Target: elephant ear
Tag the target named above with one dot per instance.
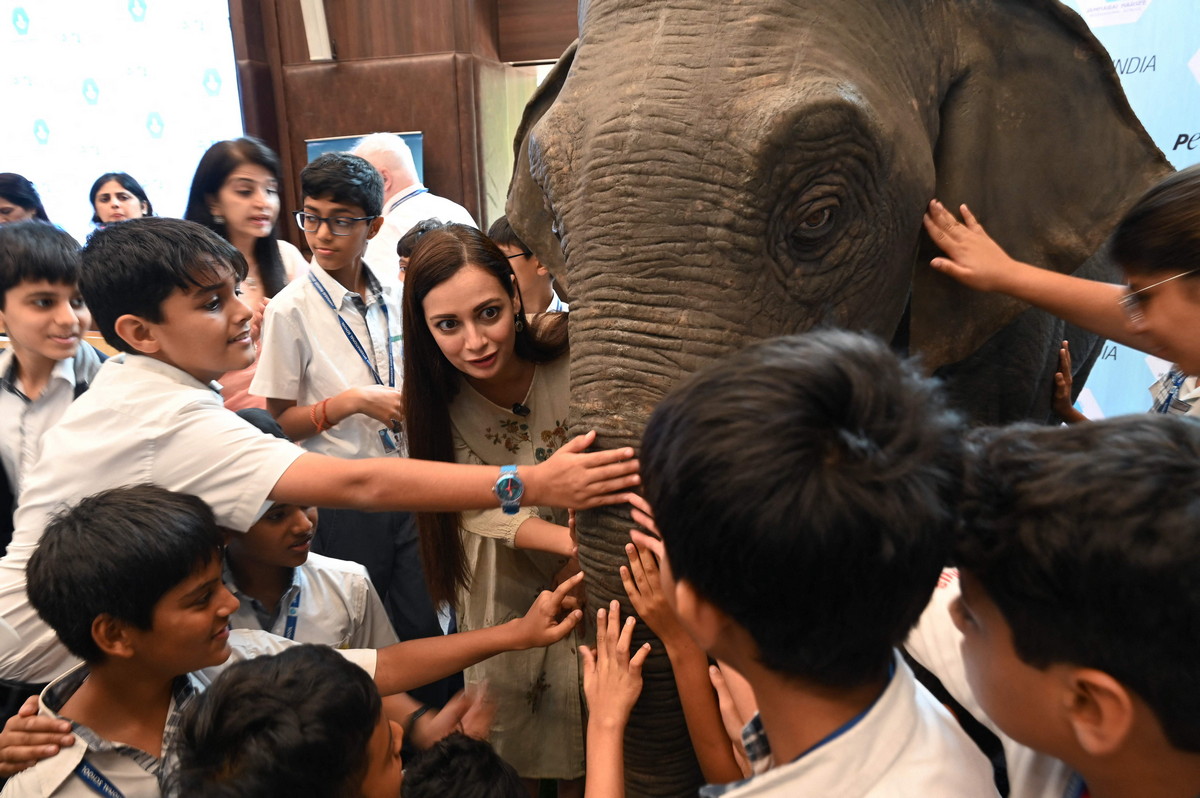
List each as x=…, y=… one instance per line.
x=1037, y=137
x=527, y=209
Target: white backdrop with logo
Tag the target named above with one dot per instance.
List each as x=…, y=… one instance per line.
x=1155, y=46
x=95, y=86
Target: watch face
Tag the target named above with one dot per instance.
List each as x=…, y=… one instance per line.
x=509, y=488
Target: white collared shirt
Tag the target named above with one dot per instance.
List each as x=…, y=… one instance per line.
x=338, y=607
x=142, y=420
x=935, y=642
x=305, y=356
x=23, y=421
x=400, y=217
x=907, y=744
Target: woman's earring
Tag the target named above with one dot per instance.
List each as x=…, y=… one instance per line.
x=520, y=323
x=218, y=218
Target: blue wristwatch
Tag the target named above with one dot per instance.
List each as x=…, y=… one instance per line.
x=509, y=489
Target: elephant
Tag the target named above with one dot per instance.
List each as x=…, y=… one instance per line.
x=698, y=176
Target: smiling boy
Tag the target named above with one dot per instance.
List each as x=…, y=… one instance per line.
x=46, y=364
x=164, y=292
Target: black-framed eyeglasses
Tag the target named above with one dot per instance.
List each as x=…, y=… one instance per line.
x=338, y=225
x=1133, y=302
x=518, y=255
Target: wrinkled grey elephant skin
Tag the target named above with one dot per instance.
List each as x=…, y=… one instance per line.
x=700, y=175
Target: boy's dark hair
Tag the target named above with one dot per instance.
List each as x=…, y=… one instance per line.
x=132, y=267
x=502, y=233
x=1087, y=538
x=805, y=487
x=117, y=553
x=462, y=767
x=1160, y=234
x=291, y=725
x=34, y=251
x=346, y=179
x=408, y=241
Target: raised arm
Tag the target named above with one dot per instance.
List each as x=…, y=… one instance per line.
x=413, y=663
x=571, y=477
x=975, y=260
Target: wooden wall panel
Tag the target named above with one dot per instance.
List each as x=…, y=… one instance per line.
x=536, y=30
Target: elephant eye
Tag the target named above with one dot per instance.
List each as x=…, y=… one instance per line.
x=814, y=222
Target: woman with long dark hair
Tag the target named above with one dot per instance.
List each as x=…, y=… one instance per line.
x=116, y=196
x=483, y=385
x=235, y=193
x=19, y=200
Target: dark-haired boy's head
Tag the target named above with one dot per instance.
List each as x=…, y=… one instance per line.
x=115, y=557
x=344, y=179
x=463, y=767
x=306, y=722
x=804, y=487
x=1080, y=559
x=130, y=269
x=36, y=252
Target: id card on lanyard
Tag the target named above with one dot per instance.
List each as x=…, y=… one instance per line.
x=289, y=628
x=390, y=445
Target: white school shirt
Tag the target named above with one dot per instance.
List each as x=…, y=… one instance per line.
x=935, y=643
x=401, y=212
x=305, y=356
x=907, y=744
x=23, y=422
x=142, y=420
x=337, y=606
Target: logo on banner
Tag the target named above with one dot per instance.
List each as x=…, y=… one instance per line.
x=91, y=92
x=1099, y=13
x=154, y=124
x=41, y=131
x=20, y=20
x=1136, y=64
x=212, y=82
x=137, y=10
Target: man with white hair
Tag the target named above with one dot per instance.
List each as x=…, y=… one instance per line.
x=406, y=200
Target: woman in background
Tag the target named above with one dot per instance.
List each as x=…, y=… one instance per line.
x=235, y=193
x=115, y=197
x=19, y=200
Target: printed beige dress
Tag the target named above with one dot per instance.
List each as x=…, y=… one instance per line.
x=539, y=718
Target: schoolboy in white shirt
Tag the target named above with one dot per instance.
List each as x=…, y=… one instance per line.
x=769, y=535
x=164, y=291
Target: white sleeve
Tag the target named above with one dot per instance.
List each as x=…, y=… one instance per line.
x=283, y=355
x=372, y=627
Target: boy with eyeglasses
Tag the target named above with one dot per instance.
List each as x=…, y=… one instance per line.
x=1156, y=244
x=329, y=367
x=533, y=279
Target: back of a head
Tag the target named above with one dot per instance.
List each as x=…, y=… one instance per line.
x=32, y=252
x=408, y=241
x=345, y=179
x=130, y=268
x=293, y=725
x=20, y=191
x=388, y=151
x=1087, y=539
x=461, y=767
x=1160, y=234
x=804, y=486
x=502, y=233
x=117, y=553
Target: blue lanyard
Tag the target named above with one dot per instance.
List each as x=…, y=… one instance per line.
x=353, y=339
x=405, y=199
x=1165, y=407
x=96, y=780
x=289, y=630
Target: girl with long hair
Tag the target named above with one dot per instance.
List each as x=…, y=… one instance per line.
x=235, y=193
x=483, y=385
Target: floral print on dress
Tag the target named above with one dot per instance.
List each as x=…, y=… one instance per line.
x=512, y=434
x=553, y=438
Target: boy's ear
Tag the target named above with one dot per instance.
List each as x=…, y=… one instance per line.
x=700, y=618
x=112, y=636
x=1100, y=711
x=376, y=223
x=539, y=269
x=138, y=333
